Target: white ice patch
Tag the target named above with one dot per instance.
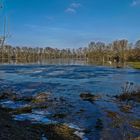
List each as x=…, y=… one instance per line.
x=73, y=126
x=12, y=104
x=37, y=71
x=55, y=73
x=43, y=137
x=40, y=112
x=29, y=71
x=34, y=118
x=6, y=102
x=27, y=90
x=80, y=135
x=78, y=131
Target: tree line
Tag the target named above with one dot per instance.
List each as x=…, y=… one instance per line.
x=95, y=51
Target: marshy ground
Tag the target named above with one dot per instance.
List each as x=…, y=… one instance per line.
x=70, y=102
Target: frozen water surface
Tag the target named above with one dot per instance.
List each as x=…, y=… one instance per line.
x=66, y=83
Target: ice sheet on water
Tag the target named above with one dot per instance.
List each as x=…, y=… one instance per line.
x=29, y=71
x=37, y=71
x=80, y=135
x=44, y=137
x=55, y=73
x=34, y=118
x=27, y=90
x=79, y=132
x=12, y=104
x=73, y=126
x=40, y=112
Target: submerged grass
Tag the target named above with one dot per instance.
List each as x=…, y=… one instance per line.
x=129, y=92
x=135, y=65
x=136, y=124
x=64, y=132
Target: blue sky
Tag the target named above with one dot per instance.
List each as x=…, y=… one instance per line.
x=71, y=23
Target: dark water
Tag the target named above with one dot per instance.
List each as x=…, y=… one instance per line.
x=66, y=83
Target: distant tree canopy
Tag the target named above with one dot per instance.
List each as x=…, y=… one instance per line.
x=95, y=51
x=137, y=45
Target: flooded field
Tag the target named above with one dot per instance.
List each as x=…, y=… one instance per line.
x=79, y=96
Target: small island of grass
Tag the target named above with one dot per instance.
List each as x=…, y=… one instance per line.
x=135, y=65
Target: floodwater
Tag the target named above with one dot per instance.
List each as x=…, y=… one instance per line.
x=65, y=83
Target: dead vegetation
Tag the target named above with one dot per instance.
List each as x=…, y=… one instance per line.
x=129, y=93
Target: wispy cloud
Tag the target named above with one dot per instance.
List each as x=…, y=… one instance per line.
x=70, y=10
x=135, y=3
x=73, y=7
x=76, y=5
